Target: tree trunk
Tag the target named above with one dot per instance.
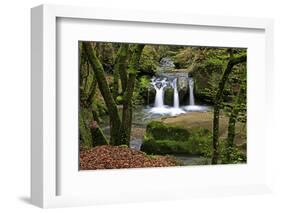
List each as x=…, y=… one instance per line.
x=232, y=121
x=89, y=130
x=120, y=67
x=90, y=135
x=127, y=98
x=218, y=101
x=105, y=91
x=84, y=129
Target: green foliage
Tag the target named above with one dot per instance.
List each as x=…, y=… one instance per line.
x=100, y=107
x=144, y=82
x=149, y=61
x=137, y=99
x=207, y=75
x=140, y=94
x=119, y=99
x=231, y=155
x=183, y=58
x=106, y=53
x=201, y=139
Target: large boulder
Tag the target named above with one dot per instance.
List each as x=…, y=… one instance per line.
x=163, y=139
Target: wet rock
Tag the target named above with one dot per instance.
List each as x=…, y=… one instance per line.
x=182, y=89
x=169, y=96
x=167, y=63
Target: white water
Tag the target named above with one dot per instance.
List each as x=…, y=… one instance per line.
x=191, y=93
x=159, y=97
x=176, y=94
x=161, y=109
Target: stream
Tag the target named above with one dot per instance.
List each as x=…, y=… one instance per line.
x=143, y=115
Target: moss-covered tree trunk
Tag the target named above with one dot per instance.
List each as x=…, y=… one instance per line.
x=218, y=101
x=84, y=128
x=89, y=131
x=115, y=122
x=232, y=121
x=120, y=67
x=128, y=95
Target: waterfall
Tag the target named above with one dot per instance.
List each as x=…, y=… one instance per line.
x=173, y=81
x=191, y=94
x=159, y=88
x=176, y=94
x=159, y=102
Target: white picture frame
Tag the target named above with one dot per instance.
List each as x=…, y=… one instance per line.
x=46, y=167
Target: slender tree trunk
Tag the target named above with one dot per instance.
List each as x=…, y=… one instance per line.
x=218, y=101
x=232, y=121
x=105, y=91
x=127, y=100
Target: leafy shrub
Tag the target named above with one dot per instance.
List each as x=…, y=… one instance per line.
x=231, y=155
x=149, y=61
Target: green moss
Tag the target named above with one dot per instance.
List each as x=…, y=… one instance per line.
x=169, y=96
x=161, y=131
x=119, y=99
x=84, y=129
x=170, y=139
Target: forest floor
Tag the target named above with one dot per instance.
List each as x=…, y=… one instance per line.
x=117, y=157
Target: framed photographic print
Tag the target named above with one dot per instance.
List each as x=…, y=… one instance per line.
x=130, y=106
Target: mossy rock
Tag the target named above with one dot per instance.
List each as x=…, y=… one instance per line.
x=169, y=96
x=169, y=139
x=163, y=147
x=161, y=131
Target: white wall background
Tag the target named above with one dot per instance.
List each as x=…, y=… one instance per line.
x=15, y=105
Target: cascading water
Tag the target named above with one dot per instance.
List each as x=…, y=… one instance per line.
x=191, y=93
x=174, y=80
x=159, y=107
x=192, y=106
x=159, y=88
x=176, y=94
